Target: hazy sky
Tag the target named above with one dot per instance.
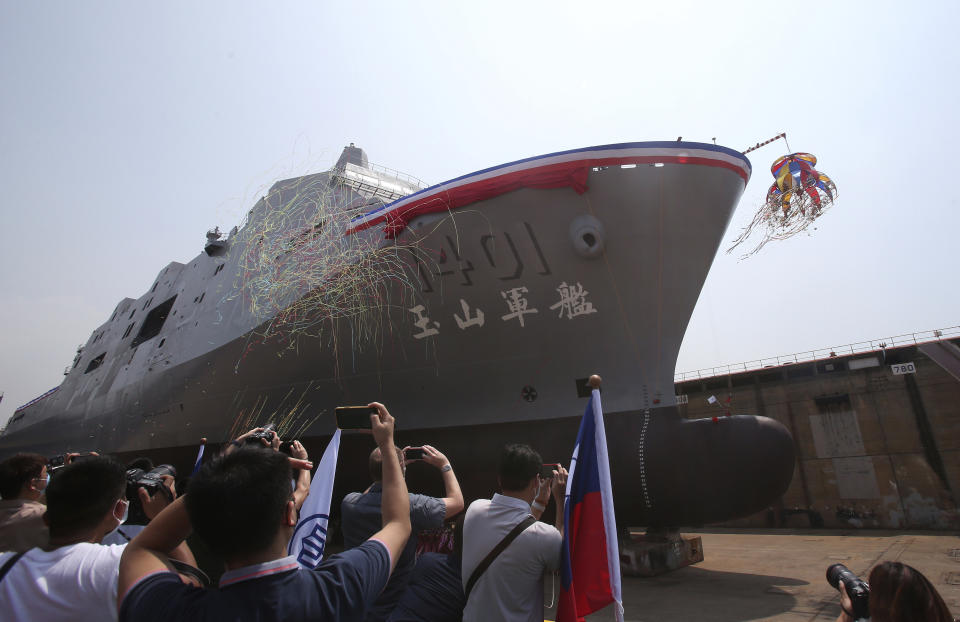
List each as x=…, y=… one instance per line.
x=127, y=131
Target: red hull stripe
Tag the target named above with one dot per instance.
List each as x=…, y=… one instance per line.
x=488, y=184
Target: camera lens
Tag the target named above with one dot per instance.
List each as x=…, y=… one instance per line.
x=835, y=573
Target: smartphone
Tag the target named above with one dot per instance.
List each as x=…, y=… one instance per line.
x=546, y=470
x=414, y=453
x=354, y=417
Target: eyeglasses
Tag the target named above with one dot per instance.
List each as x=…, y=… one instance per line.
x=42, y=481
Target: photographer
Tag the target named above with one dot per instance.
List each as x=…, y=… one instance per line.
x=74, y=576
x=267, y=437
x=161, y=492
x=23, y=478
x=361, y=515
x=509, y=585
x=897, y=593
x=241, y=506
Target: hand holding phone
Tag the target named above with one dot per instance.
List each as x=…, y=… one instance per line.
x=381, y=425
x=355, y=417
x=413, y=453
x=546, y=470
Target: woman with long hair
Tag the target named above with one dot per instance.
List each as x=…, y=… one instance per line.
x=899, y=593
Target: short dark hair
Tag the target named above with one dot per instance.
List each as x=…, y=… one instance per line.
x=17, y=471
x=237, y=501
x=518, y=465
x=82, y=493
x=375, y=463
x=900, y=593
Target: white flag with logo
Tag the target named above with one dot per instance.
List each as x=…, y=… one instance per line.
x=310, y=536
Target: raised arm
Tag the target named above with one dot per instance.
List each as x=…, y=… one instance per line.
x=147, y=553
x=302, y=476
x=451, y=487
x=395, y=501
x=559, y=492
x=153, y=505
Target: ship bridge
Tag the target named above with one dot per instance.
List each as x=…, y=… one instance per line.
x=373, y=181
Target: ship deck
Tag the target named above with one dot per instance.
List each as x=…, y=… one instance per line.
x=780, y=575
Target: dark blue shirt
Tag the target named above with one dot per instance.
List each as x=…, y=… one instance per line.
x=361, y=518
x=434, y=593
x=342, y=587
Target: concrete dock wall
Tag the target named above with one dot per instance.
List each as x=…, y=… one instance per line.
x=875, y=449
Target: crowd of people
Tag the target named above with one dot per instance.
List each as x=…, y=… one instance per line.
x=71, y=553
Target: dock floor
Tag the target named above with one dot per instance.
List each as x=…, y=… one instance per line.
x=780, y=575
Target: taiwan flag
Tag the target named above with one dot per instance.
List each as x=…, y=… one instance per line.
x=590, y=563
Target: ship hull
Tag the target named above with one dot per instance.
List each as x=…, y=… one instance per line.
x=519, y=297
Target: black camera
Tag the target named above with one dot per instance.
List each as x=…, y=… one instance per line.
x=152, y=481
x=857, y=589
x=266, y=435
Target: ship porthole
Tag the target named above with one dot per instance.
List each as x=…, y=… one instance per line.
x=588, y=236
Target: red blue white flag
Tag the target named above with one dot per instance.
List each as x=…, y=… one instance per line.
x=590, y=563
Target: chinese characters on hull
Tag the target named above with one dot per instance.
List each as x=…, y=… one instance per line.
x=572, y=303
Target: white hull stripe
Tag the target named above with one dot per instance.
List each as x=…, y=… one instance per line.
x=606, y=155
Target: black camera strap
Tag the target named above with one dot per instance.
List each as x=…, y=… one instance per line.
x=492, y=555
x=9, y=564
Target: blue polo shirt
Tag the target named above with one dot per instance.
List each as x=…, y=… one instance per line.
x=342, y=587
x=361, y=518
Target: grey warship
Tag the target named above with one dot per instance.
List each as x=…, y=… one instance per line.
x=528, y=277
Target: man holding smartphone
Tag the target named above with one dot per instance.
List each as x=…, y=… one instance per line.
x=360, y=513
x=505, y=550
x=241, y=506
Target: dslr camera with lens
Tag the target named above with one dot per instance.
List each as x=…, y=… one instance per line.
x=857, y=589
x=152, y=481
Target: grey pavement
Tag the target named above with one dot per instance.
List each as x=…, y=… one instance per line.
x=780, y=574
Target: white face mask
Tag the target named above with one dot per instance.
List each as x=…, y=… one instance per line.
x=126, y=512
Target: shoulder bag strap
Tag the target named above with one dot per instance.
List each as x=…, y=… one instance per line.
x=9, y=564
x=492, y=555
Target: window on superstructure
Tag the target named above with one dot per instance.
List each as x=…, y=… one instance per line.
x=126, y=333
x=153, y=323
x=147, y=303
x=95, y=363
x=217, y=271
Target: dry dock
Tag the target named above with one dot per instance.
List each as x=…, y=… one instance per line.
x=779, y=574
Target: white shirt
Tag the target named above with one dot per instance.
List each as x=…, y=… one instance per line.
x=72, y=583
x=511, y=589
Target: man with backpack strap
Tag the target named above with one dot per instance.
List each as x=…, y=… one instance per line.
x=505, y=550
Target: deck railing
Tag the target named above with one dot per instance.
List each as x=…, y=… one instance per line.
x=814, y=355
